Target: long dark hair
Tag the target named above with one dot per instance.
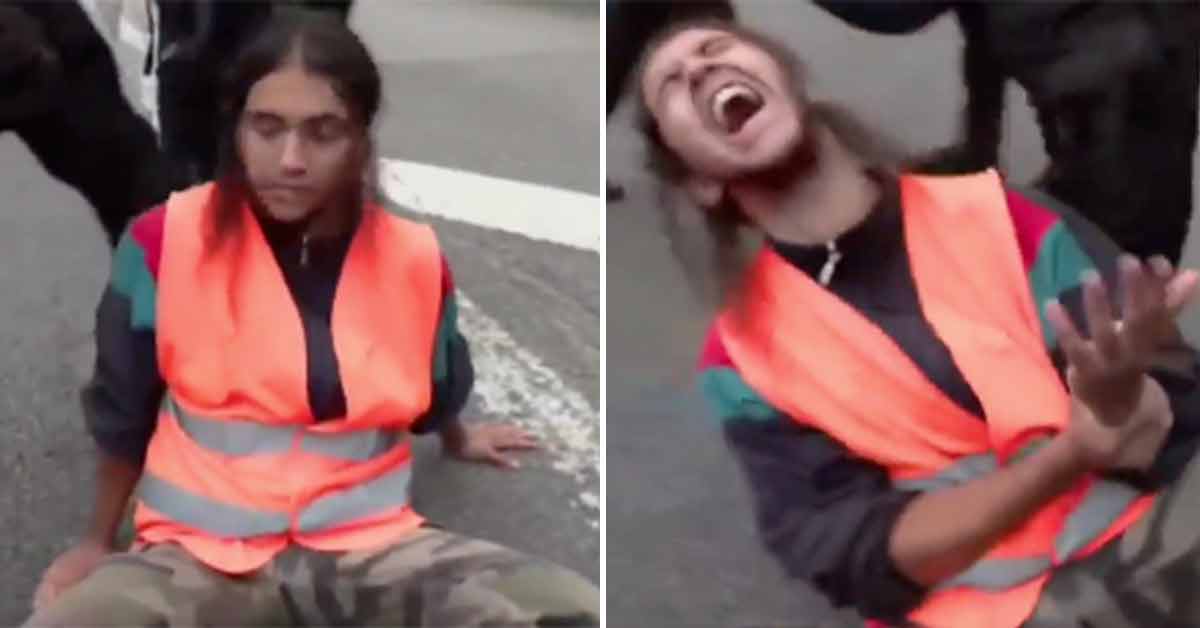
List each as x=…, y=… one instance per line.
x=726, y=223
x=323, y=45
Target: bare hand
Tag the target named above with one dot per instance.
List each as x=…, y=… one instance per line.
x=1132, y=444
x=1106, y=372
x=488, y=442
x=68, y=570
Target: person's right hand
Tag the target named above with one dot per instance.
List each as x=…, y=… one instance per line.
x=68, y=570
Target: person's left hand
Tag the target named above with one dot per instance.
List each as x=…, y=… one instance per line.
x=1107, y=371
x=488, y=443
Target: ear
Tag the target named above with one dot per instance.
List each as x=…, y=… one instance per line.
x=705, y=193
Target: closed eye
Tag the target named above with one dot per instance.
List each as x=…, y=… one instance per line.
x=669, y=80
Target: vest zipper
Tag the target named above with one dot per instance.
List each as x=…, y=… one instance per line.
x=831, y=261
x=304, y=250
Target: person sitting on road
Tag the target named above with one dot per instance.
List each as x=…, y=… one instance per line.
x=266, y=345
x=899, y=367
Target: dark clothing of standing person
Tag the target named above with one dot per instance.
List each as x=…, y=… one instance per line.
x=63, y=98
x=1117, y=100
x=1114, y=85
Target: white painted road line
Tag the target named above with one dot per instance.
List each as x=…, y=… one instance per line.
x=513, y=384
x=535, y=211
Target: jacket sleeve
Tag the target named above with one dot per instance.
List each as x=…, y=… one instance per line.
x=1059, y=244
x=121, y=400
x=823, y=514
x=453, y=371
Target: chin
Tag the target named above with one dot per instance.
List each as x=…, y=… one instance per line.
x=287, y=213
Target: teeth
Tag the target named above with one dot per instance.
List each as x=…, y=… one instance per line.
x=726, y=94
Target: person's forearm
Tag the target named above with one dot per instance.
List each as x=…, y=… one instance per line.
x=116, y=479
x=941, y=533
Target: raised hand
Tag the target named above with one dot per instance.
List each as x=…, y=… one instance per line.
x=1107, y=370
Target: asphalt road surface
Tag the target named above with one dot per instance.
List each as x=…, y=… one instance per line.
x=681, y=545
x=510, y=90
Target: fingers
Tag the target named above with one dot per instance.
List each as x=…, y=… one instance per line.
x=502, y=461
x=1099, y=313
x=1134, y=287
x=1157, y=294
x=1144, y=308
x=1079, y=353
x=1180, y=291
x=512, y=437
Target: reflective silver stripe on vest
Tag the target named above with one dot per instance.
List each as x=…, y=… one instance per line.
x=249, y=438
x=1104, y=502
x=200, y=512
x=387, y=491
x=359, y=446
x=960, y=472
x=998, y=574
x=232, y=438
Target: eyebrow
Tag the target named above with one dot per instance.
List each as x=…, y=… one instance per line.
x=321, y=118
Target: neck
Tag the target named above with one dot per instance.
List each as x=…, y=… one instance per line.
x=330, y=221
x=830, y=197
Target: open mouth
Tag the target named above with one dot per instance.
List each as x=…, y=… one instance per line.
x=734, y=105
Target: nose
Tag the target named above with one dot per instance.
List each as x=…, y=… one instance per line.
x=293, y=160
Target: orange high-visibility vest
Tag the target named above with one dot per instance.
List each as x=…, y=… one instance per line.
x=238, y=468
x=815, y=358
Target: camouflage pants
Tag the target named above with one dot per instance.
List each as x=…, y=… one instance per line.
x=434, y=578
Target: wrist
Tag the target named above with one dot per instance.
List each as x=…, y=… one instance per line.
x=1063, y=460
x=454, y=436
x=106, y=542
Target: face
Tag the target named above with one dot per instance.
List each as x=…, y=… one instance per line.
x=298, y=143
x=723, y=105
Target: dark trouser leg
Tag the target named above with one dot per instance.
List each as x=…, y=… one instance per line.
x=188, y=122
x=984, y=79
x=101, y=147
x=1134, y=178
x=340, y=8
x=630, y=26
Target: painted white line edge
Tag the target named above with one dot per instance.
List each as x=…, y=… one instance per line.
x=534, y=211
x=513, y=384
